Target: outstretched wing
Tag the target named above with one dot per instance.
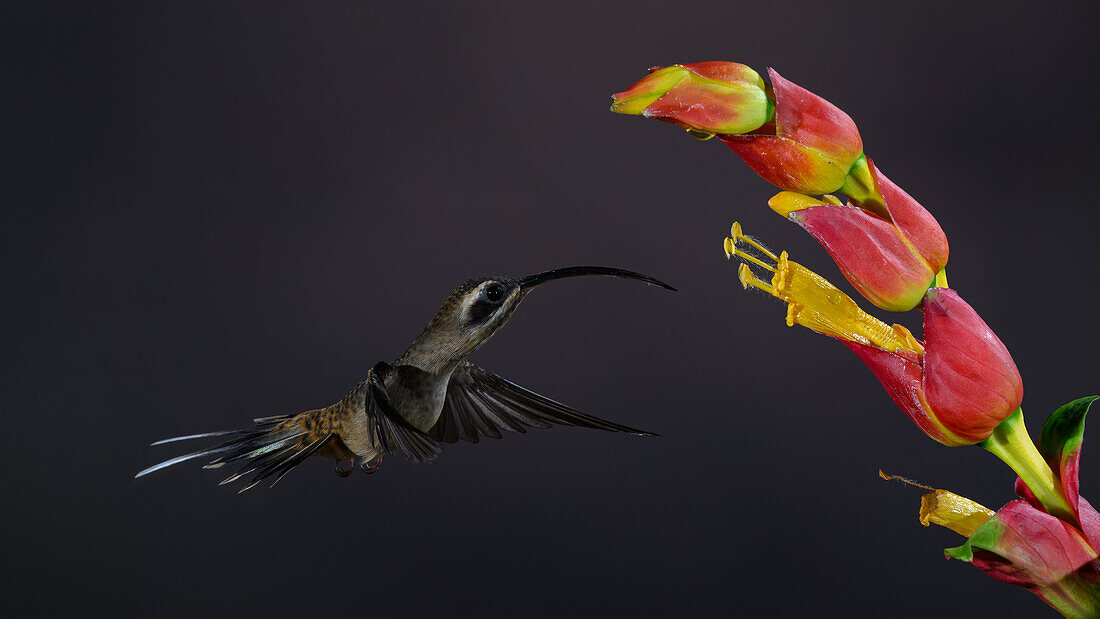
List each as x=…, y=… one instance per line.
x=480, y=403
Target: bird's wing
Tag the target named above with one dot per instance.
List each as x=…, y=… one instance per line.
x=480, y=403
x=387, y=428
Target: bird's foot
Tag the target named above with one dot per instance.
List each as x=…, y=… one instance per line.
x=372, y=466
x=344, y=467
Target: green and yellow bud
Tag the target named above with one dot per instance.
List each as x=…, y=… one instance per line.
x=706, y=98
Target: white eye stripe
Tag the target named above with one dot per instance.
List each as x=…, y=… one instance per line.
x=467, y=301
x=472, y=297
x=477, y=302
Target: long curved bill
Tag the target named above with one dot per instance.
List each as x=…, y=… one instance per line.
x=529, y=282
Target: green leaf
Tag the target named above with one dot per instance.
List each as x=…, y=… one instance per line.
x=1064, y=430
x=1060, y=444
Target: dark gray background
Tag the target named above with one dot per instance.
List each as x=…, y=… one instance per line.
x=220, y=212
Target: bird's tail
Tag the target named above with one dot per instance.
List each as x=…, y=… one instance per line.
x=271, y=447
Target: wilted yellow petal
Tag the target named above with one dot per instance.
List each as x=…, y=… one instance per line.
x=955, y=512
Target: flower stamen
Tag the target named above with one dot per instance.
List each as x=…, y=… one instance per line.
x=750, y=258
x=738, y=235
x=748, y=278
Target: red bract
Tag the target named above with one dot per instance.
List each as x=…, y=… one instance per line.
x=809, y=149
x=874, y=253
x=1024, y=546
x=793, y=138
x=914, y=223
x=962, y=386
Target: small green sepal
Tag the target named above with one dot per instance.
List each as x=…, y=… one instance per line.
x=962, y=553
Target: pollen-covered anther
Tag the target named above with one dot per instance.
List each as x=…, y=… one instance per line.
x=748, y=278
x=738, y=244
x=739, y=235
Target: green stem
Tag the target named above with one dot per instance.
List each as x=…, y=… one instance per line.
x=1012, y=444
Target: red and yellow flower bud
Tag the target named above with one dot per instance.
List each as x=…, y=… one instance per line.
x=963, y=385
x=957, y=386
x=880, y=196
x=970, y=379
x=703, y=97
x=788, y=135
x=872, y=252
x=811, y=146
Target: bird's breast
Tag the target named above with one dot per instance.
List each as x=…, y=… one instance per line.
x=418, y=396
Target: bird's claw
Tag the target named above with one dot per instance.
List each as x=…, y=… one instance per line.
x=371, y=466
x=344, y=467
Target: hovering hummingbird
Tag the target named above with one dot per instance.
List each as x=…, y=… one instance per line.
x=430, y=395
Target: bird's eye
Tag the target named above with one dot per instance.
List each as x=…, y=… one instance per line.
x=494, y=292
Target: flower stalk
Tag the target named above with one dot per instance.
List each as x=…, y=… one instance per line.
x=1011, y=443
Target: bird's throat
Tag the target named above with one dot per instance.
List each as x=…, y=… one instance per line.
x=437, y=352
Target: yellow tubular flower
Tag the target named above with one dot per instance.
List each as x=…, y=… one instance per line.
x=952, y=511
x=947, y=509
x=812, y=301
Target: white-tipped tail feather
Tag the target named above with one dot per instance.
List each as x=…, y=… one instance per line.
x=272, y=447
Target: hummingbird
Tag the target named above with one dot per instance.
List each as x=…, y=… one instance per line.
x=429, y=396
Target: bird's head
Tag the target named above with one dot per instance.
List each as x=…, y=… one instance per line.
x=481, y=305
